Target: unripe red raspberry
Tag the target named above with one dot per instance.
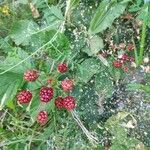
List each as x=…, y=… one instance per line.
x=31, y=75
x=117, y=64
x=69, y=103
x=59, y=102
x=67, y=85
x=62, y=68
x=46, y=94
x=125, y=57
x=131, y=47
x=42, y=117
x=24, y=97
x=126, y=69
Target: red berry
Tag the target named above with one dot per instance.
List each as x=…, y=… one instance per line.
x=126, y=69
x=125, y=57
x=31, y=75
x=62, y=68
x=117, y=64
x=46, y=94
x=24, y=97
x=42, y=117
x=131, y=47
x=59, y=102
x=67, y=85
x=69, y=103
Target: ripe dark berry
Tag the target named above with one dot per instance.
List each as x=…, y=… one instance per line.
x=62, y=68
x=131, y=47
x=46, y=94
x=67, y=85
x=69, y=103
x=125, y=57
x=42, y=117
x=59, y=102
x=117, y=64
x=24, y=97
x=31, y=75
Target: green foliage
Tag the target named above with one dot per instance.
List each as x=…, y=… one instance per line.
x=22, y=31
x=105, y=15
x=136, y=6
x=87, y=69
x=10, y=83
x=104, y=84
x=121, y=140
x=59, y=35
x=95, y=45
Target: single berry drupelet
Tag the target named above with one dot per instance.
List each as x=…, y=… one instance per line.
x=126, y=69
x=67, y=85
x=46, y=94
x=62, y=68
x=117, y=64
x=42, y=117
x=24, y=97
x=31, y=75
x=69, y=103
x=59, y=102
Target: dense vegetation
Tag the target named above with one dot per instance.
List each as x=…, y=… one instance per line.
x=75, y=74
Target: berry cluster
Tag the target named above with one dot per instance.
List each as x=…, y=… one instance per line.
x=120, y=63
x=46, y=93
x=124, y=59
x=67, y=102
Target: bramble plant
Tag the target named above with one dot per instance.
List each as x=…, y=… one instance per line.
x=74, y=74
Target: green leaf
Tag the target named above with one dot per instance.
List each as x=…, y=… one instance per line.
x=60, y=47
x=22, y=31
x=103, y=83
x=106, y=13
x=57, y=12
x=71, y=4
x=87, y=69
x=22, y=1
x=14, y=59
x=10, y=82
x=144, y=14
x=53, y=17
x=96, y=44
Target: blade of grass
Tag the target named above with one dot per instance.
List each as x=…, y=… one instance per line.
x=143, y=35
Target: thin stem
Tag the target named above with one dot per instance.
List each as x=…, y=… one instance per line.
x=91, y=137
